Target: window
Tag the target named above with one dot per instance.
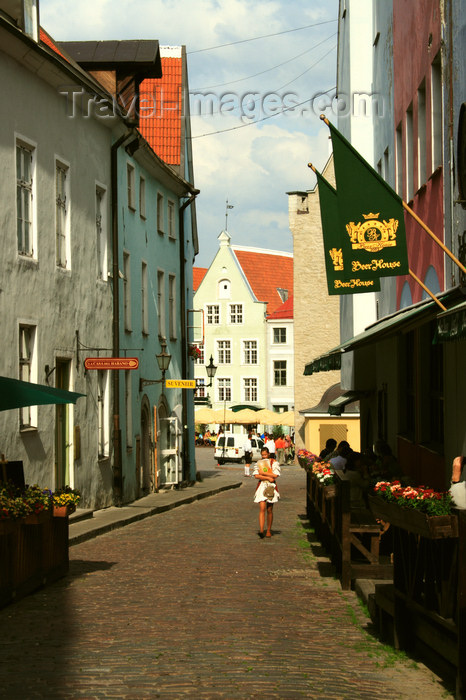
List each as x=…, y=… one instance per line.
x=250, y=352
x=160, y=227
x=104, y=412
x=101, y=232
x=224, y=352
x=279, y=372
x=171, y=219
x=436, y=112
x=24, y=198
x=128, y=410
x=200, y=389
x=250, y=389
x=409, y=154
x=27, y=336
x=127, y=291
x=279, y=335
x=161, y=302
x=130, y=176
x=236, y=313
x=224, y=389
x=61, y=215
x=224, y=289
x=144, y=302
x=399, y=160
x=172, y=306
x=200, y=360
x=142, y=197
x=213, y=314
x=421, y=135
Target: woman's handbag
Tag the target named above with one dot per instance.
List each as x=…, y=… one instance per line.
x=269, y=492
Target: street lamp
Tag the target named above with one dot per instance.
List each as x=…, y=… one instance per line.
x=163, y=360
x=210, y=369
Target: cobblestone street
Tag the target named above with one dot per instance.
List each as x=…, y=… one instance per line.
x=191, y=603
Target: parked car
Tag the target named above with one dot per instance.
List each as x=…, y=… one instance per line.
x=230, y=448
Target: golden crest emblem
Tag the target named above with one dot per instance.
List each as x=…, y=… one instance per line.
x=372, y=235
x=337, y=258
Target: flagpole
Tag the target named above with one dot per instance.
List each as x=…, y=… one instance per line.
x=426, y=289
x=406, y=207
x=433, y=236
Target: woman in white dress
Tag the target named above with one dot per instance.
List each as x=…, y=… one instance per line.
x=266, y=472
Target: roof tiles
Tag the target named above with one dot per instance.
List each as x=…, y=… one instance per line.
x=161, y=110
x=283, y=311
x=198, y=275
x=266, y=273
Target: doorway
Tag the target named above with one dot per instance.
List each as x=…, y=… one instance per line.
x=62, y=427
x=146, y=471
x=169, y=448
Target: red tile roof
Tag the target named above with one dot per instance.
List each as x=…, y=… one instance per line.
x=283, y=311
x=47, y=39
x=265, y=273
x=161, y=110
x=198, y=276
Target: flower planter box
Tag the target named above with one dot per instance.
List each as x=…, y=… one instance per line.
x=37, y=518
x=7, y=526
x=63, y=511
x=431, y=526
x=330, y=491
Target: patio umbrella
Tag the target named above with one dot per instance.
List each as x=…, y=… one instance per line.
x=245, y=417
x=224, y=416
x=287, y=418
x=15, y=393
x=267, y=417
x=205, y=415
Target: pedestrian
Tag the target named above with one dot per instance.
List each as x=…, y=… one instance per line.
x=280, y=449
x=330, y=446
x=266, y=472
x=247, y=455
x=271, y=445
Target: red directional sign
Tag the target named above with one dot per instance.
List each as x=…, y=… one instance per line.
x=111, y=363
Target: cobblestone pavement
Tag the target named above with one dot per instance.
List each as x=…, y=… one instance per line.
x=191, y=603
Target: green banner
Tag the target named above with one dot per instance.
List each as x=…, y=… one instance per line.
x=339, y=278
x=371, y=216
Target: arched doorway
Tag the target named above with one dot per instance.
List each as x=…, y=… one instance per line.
x=146, y=462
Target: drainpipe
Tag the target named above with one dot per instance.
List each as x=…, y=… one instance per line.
x=184, y=336
x=117, y=452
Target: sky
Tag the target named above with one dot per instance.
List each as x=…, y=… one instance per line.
x=240, y=79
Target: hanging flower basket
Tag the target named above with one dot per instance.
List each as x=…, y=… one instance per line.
x=194, y=352
x=430, y=526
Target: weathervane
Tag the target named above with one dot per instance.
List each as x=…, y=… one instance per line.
x=227, y=207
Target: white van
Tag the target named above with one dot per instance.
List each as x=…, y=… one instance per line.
x=229, y=447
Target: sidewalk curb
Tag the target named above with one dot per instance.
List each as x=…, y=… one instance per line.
x=122, y=519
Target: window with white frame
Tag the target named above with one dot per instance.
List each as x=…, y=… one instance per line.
x=27, y=338
x=236, y=313
x=279, y=335
x=436, y=112
x=200, y=360
x=421, y=135
x=250, y=352
x=200, y=389
x=101, y=232
x=142, y=197
x=127, y=291
x=224, y=389
x=250, y=389
x=224, y=352
x=171, y=219
x=399, y=159
x=144, y=299
x=103, y=406
x=131, y=180
x=279, y=372
x=160, y=207
x=161, y=301
x=409, y=154
x=62, y=214
x=25, y=161
x=172, y=306
x=213, y=314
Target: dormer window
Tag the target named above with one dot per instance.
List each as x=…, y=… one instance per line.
x=283, y=293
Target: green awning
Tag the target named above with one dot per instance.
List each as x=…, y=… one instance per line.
x=451, y=324
x=243, y=407
x=401, y=321
x=15, y=393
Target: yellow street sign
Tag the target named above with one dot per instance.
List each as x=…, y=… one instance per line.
x=180, y=383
